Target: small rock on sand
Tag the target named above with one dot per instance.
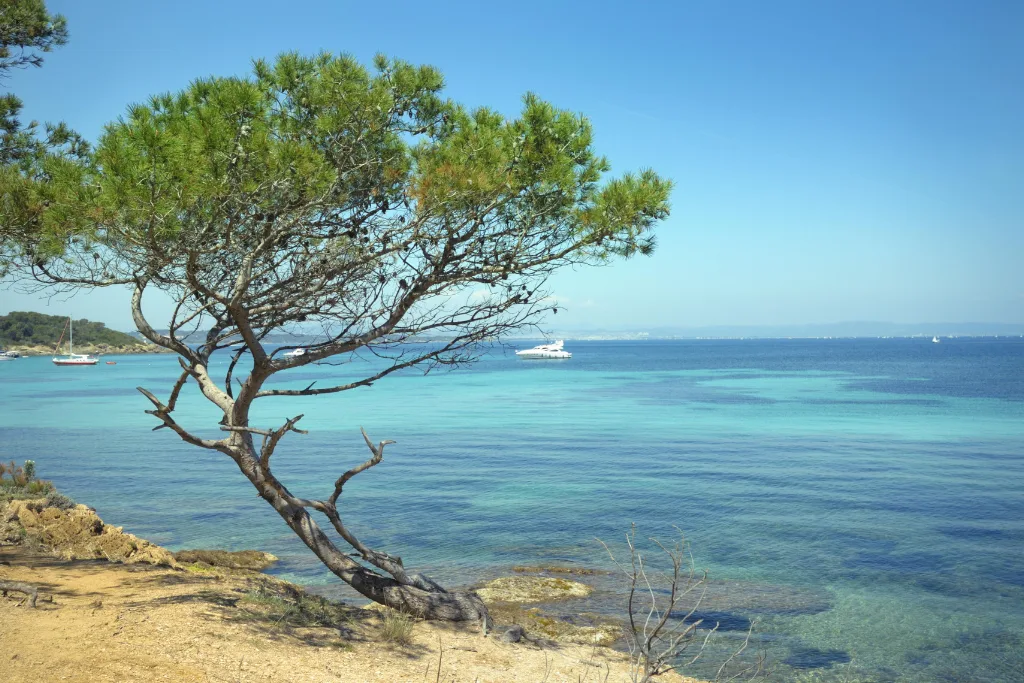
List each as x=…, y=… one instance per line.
x=513, y=634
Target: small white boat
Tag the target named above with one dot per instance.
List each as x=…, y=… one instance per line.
x=545, y=351
x=295, y=353
x=935, y=340
x=72, y=358
x=4, y=356
x=75, y=359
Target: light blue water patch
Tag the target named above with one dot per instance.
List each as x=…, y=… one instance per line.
x=860, y=500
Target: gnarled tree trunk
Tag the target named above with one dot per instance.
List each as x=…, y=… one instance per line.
x=415, y=595
x=395, y=587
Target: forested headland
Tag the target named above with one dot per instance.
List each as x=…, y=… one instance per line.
x=21, y=328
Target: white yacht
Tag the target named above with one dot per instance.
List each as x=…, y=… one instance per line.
x=935, y=340
x=72, y=358
x=295, y=353
x=545, y=351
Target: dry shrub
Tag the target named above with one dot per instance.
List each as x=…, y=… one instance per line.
x=396, y=627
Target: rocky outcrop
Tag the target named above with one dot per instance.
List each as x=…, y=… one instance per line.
x=77, y=534
x=255, y=560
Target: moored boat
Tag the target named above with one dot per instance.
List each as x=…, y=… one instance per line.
x=72, y=358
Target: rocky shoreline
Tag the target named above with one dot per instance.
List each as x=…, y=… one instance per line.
x=115, y=606
x=91, y=349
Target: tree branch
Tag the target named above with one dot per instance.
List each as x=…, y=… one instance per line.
x=163, y=413
x=378, y=455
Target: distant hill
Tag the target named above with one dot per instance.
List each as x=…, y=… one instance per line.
x=20, y=328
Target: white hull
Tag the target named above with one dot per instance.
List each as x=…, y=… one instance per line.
x=545, y=351
x=543, y=354
x=75, y=361
x=72, y=358
x=3, y=357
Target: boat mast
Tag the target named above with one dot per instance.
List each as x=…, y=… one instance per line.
x=71, y=338
x=56, y=350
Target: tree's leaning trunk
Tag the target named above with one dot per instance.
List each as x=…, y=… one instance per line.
x=435, y=603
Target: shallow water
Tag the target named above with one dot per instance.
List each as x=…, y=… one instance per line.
x=861, y=501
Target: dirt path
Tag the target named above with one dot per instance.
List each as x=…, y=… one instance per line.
x=110, y=622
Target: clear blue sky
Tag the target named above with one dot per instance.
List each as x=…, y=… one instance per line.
x=833, y=160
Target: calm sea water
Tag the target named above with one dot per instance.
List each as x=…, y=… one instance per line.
x=861, y=501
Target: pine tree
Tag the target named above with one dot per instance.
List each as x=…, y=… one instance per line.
x=319, y=194
x=31, y=156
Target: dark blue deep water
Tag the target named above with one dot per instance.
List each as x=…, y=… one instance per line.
x=861, y=502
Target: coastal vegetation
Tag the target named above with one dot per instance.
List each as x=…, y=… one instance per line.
x=359, y=202
x=20, y=328
x=19, y=482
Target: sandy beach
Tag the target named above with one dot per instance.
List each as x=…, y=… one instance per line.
x=97, y=620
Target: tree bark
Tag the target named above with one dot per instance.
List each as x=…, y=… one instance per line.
x=27, y=589
x=421, y=597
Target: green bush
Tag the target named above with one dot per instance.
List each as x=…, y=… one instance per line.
x=59, y=501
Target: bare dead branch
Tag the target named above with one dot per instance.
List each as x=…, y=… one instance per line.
x=30, y=591
x=665, y=640
x=378, y=455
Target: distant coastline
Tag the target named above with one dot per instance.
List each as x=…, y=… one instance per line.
x=840, y=330
x=37, y=334
x=91, y=349
x=649, y=337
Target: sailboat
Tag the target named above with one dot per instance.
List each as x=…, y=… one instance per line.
x=72, y=358
x=935, y=340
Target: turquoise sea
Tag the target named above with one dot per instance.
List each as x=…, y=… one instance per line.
x=860, y=501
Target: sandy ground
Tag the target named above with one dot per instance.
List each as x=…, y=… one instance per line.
x=98, y=621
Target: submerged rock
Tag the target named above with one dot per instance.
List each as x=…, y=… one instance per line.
x=759, y=598
x=255, y=560
x=522, y=589
x=579, y=571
